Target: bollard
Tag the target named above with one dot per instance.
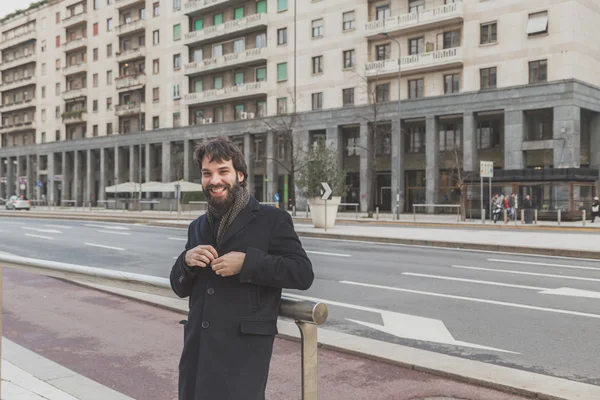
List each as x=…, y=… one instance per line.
x=170, y=208
x=377, y=213
x=308, y=335
x=535, y=216
x=458, y=214
x=307, y=211
x=293, y=211
x=523, y=217
x=414, y=214
x=356, y=209
x=583, y=217
x=505, y=216
x=483, y=215
x=559, y=216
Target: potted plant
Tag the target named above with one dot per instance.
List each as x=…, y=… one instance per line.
x=320, y=165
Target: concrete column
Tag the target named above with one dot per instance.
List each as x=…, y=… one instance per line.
x=249, y=158
x=65, y=181
x=51, y=185
x=595, y=146
x=514, y=133
x=470, y=152
x=166, y=161
x=432, y=160
x=187, y=157
x=2, y=178
x=16, y=178
x=88, y=177
x=10, y=177
x=116, y=178
x=335, y=141
x=148, y=164
x=38, y=176
x=365, y=165
x=397, y=166
x=30, y=177
x=301, y=146
x=271, y=166
x=567, y=137
x=134, y=163
x=102, y=195
x=76, y=178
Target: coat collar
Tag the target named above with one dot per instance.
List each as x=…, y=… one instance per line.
x=244, y=218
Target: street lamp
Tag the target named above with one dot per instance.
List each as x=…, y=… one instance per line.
x=399, y=147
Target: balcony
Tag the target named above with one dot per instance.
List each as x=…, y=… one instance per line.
x=446, y=58
x=128, y=3
x=198, y=6
x=230, y=28
x=209, y=96
x=31, y=80
x=74, y=117
x=15, y=62
x=132, y=54
x=447, y=14
x=75, y=69
x=226, y=61
x=123, y=110
x=75, y=44
x=17, y=127
x=74, y=93
x=129, y=82
x=18, y=39
x=74, y=19
x=4, y=108
x=131, y=27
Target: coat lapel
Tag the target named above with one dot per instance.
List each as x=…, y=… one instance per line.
x=244, y=218
x=206, y=233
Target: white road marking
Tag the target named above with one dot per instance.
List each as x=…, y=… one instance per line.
x=476, y=300
x=543, y=264
x=59, y=226
x=39, y=236
x=328, y=254
x=104, y=247
x=40, y=230
x=115, y=227
x=507, y=271
x=405, y=325
x=176, y=238
x=115, y=233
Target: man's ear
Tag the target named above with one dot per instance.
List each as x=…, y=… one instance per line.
x=240, y=177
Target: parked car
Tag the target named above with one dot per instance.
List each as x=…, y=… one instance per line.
x=18, y=203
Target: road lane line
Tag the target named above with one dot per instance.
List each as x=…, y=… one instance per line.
x=104, y=247
x=41, y=230
x=118, y=228
x=39, y=236
x=176, y=238
x=543, y=264
x=450, y=278
x=507, y=271
x=475, y=300
x=59, y=226
x=328, y=254
x=115, y=233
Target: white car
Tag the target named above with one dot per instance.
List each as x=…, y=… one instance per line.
x=17, y=203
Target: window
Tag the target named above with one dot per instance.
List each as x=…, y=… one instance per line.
x=261, y=40
x=96, y=4
x=198, y=86
x=282, y=5
x=317, y=65
x=317, y=28
x=238, y=79
x=488, y=78
x=95, y=80
x=155, y=123
x=155, y=66
x=218, y=19
x=349, y=60
x=176, y=5
x=109, y=50
x=382, y=93
x=238, y=13
x=156, y=9
x=43, y=48
x=537, y=23
x=217, y=50
x=43, y=115
x=95, y=29
x=349, y=20
x=416, y=46
x=199, y=24
x=538, y=71
x=176, y=31
x=415, y=138
x=451, y=83
x=95, y=54
x=57, y=41
x=261, y=108
x=488, y=133
x=383, y=51
x=488, y=33
x=176, y=91
x=155, y=37
x=239, y=109
x=282, y=105
x=57, y=89
x=43, y=137
x=218, y=114
x=282, y=72
x=348, y=97
x=109, y=24
x=198, y=55
x=43, y=92
x=109, y=103
x=317, y=101
x=261, y=7
x=416, y=6
x=176, y=120
x=58, y=17
x=57, y=135
x=261, y=74
x=382, y=12
x=218, y=82
x=109, y=129
x=176, y=61
x=450, y=137
x=451, y=39
x=282, y=36
x=109, y=77
x=94, y=105
x=239, y=46
x=415, y=88
x=44, y=69
x=95, y=130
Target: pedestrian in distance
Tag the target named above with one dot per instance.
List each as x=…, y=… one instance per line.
x=237, y=259
x=595, y=209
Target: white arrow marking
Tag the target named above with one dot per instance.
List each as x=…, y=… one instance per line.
x=41, y=230
x=406, y=326
x=505, y=271
x=543, y=264
x=559, y=292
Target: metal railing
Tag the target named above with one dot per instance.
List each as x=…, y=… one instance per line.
x=306, y=314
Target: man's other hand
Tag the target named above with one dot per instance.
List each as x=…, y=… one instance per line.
x=229, y=264
x=200, y=256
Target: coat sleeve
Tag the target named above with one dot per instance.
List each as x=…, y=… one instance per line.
x=182, y=276
x=285, y=265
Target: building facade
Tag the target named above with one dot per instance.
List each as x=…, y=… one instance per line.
x=98, y=92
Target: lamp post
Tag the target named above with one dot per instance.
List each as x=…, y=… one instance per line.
x=399, y=146
x=140, y=152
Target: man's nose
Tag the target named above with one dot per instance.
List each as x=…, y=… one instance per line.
x=215, y=180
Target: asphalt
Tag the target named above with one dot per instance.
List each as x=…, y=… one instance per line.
x=496, y=315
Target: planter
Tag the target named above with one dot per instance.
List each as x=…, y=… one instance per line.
x=317, y=211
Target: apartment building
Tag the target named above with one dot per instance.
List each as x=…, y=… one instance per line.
x=98, y=92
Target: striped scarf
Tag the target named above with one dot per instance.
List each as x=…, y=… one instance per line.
x=241, y=197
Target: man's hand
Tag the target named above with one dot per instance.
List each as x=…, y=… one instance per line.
x=229, y=264
x=200, y=256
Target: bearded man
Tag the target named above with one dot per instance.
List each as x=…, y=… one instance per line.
x=238, y=258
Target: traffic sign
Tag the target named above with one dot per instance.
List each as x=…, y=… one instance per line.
x=276, y=197
x=486, y=169
x=327, y=189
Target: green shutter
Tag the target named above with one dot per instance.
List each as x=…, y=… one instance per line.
x=238, y=13
x=239, y=78
x=198, y=86
x=261, y=74
x=261, y=7
x=176, y=32
x=282, y=5
x=282, y=72
x=239, y=107
x=218, y=82
x=198, y=24
x=218, y=19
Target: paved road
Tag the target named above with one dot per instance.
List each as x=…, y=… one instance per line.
x=533, y=313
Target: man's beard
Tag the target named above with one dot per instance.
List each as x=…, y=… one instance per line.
x=221, y=205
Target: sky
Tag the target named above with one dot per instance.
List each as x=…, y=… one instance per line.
x=8, y=6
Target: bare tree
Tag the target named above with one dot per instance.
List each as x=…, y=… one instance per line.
x=453, y=160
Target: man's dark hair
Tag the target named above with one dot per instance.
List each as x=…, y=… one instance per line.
x=222, y=149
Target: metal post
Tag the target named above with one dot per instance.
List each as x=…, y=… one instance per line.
x=377, y=213
x=481, y=195
x=505, y=216
x=559, y=216
x=523, y=216
x=356, y=209
x=536, y=215
x=414, y=213
x=307, y=210
x=491, y=211
x=293, y=211
x=583, y=217
x=325, y=215
x=310, y=373
x=483, y=215
x=458, y=214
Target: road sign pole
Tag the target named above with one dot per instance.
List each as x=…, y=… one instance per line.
x=325, y=215
x=481, y=198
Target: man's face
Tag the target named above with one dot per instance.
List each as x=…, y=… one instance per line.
x=220, y=181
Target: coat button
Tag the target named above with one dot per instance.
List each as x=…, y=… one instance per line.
x=210, y=291
x=205, y=324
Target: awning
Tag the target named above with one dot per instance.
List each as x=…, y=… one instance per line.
x=538, y=23
x=169, y=187
x=127, y=187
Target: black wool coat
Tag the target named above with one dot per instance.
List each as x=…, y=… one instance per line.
x=232, y=322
